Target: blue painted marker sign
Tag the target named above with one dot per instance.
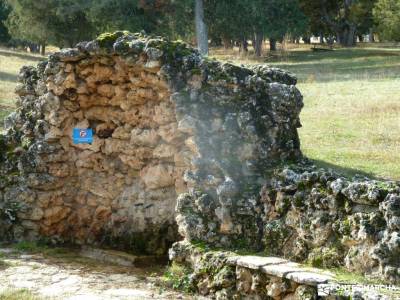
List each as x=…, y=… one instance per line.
x=82, y=136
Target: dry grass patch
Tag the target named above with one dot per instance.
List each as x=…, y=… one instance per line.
x=10, y=64
x=352, y=102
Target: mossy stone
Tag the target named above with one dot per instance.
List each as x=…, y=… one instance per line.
x=107, y=39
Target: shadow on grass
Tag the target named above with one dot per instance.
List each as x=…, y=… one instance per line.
x=21, y=55
x=4, y=76
x=345, y=171
x=344, y=65
x=326, y=70
x=342, y=54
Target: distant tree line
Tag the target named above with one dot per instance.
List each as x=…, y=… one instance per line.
x=225, y=23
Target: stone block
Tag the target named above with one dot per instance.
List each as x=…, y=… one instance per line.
x=256, y=262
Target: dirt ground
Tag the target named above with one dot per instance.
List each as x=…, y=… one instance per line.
x=65, y=275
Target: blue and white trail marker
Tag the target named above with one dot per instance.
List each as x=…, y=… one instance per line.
x=82, y=136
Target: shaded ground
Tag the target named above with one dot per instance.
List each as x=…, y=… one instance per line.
x=63, y=274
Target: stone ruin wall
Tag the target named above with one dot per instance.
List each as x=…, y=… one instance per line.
x=182, y=143
x=165, y=121
x=128, y=179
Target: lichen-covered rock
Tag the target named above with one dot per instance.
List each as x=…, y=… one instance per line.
x=332, y=221
x=304, y=214
x=222, y=274
x=167, y=122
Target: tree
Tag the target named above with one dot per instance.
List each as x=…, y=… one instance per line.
x=274, y=19
x=32, y=20
x=316, y=25
x=236, y=21
x=62, y=22
x=284, y=17
x=363, y=15
x=4, y=12
x=179, y=20
x=386, y=13
x=111, y=15
x=201, y=28
x=345, y=18
x=71, y=23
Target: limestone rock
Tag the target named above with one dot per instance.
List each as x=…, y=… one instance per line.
x=157, y=176
x=165, y=121
x=144, y=137
x=55, y=214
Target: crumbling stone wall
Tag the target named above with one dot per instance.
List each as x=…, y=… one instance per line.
x=226, y=275
x=324, y=218
x=312, y=215
x=176, y=130
x=166, y=121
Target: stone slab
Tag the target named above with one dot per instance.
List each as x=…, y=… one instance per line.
x=232, y=260
x=280, y=270
x=118, y=257
x=309, y=278
x=256, y=262
x=297, y=273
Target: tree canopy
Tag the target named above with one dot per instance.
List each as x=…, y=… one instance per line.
x=387, y=15
x=228, y=22
x=4, y=12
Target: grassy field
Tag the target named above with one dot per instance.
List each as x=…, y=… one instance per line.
x=10, y=63
x=351, y=117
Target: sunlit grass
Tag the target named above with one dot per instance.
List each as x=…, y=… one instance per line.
x=353, y=124
x=352, y=105
x=10, y=64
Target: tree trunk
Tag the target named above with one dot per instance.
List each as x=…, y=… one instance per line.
x=272, y=44
x=216, y=42
x=321, y=38
x=307, y=40
x=201, y=28
x=243, y=45
x=371, y=37
x=227, y=43
x=258, y=43
x=43, y=48
x=345, y=29
x=347, y=36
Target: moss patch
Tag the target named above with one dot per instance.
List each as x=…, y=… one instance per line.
x=107, y=39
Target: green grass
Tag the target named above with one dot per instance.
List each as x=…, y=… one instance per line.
x=176, y=277
x=346, y=277
x=18, y=294
x=10, y=63
x=352, y=104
